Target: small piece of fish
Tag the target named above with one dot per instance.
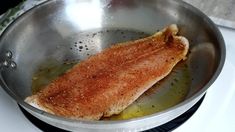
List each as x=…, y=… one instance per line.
x=106, y=83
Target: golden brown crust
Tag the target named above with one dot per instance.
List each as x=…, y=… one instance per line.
x=108, y=82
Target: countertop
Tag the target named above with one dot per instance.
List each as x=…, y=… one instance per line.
x=220, y=11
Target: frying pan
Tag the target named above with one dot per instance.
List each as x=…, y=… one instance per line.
x=71, y=30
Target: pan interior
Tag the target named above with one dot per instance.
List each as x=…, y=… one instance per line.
x=166, y=93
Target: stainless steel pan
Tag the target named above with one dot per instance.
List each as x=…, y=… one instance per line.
x=72, y=30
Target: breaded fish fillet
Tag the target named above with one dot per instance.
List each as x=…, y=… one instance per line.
x=106, y=83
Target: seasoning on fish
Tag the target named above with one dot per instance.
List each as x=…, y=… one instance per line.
x=106, y=83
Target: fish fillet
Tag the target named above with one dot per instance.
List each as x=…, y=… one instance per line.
x=106, y=83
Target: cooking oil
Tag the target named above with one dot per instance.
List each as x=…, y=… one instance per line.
x=168, y=92
x=47, y=72
x=165, y=94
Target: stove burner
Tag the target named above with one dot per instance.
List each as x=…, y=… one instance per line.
x=169, y=126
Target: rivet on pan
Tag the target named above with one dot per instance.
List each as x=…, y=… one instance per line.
x=12, y=64
x=5, y=63
x=8, y=54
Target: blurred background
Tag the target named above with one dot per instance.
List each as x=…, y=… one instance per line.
x=6, y=4
x=220, y=11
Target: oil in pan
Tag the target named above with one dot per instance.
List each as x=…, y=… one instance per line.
x=165, y=94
